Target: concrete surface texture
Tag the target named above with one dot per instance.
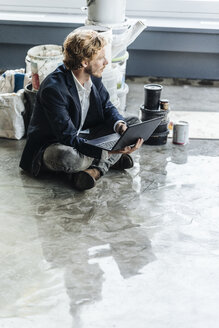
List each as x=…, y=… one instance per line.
x=184, y=95
x=194, y=101
x=139, y=250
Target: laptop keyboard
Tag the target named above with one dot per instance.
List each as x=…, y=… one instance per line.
x=107, y=144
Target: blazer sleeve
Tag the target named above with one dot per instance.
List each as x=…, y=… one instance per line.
x=55, y=106
x=110, y=112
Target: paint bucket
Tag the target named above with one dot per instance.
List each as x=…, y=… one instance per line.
x=120, y=64
x=157, y=139
x=119, y=34
x=124, y=35
x=105, y=32
x=109, y=79
x=122, y=94
x=164, y=104
x=152, y=94
x=181, y=133
x=28, y=65
x=29, y=103
x=105, y=11
x=116, y=103
x=43, y=59
x=147, y=114
x=162, y=127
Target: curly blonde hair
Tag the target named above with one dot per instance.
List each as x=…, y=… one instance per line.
x=80, y=45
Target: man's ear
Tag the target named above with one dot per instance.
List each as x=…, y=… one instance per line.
x=84, y=63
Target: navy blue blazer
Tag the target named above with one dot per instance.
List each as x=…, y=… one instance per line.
x=56, y=117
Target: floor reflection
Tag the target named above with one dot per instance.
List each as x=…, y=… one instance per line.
x=71, y=225
x=114, y=253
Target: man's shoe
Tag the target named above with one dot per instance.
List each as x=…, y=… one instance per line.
x=125, y=162
x=83, y=180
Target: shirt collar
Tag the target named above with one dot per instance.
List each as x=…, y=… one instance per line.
x=87, y=85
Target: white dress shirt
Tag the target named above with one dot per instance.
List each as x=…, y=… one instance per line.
x=84, y=97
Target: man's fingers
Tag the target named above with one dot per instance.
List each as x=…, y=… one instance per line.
x=137, y=145
x=129, y=149
x=140, y=142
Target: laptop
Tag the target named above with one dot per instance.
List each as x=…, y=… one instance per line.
x=116, y=141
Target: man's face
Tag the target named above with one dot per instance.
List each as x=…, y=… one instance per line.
x=97, y=64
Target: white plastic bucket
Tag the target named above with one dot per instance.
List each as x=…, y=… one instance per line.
x=109, y=79
x=120, y=64
x=122, y=94
x=113, y=26
x=43, y=60
x=105, y=11
x=124, y=35
x=28, y=64
x=116, y=103
x=106, y=32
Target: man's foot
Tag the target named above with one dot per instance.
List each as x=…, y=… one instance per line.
x=125, y=162
x=85, y=179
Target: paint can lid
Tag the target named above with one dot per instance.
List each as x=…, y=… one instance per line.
x=153, y=87
x=164, y=100
x=181, y=123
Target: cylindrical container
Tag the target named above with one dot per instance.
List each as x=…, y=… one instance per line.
x=43, y=60
x=162, y=127
x=125, y=34
x=147, y=114
x=119, y=45
x=116, y=103
x=105, y=11
x=181, y=133
x=152, y=94
x=109, y=79
x=111, y=25
x=122, y=94
x=29, y=103
x=105, y=32
x=158, y=138
x=120, y=64
x=28, y=64
x=164, y=104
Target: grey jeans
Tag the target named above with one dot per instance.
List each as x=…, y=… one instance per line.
x=58, y=157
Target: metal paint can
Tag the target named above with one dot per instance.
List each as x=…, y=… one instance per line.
x=181, y=133
x=152, y=96
x=164, y=104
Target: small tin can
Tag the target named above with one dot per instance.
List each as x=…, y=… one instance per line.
x=164, y=104
x=181, y=133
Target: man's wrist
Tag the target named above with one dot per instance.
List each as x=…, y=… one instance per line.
x=120, y=128
x=116, y=125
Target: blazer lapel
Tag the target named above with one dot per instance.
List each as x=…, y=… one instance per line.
x=95, y=113
x=73, y=90
x=95, y=101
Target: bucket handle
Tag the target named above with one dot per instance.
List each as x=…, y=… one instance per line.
x=39, y=68
x=84, y=9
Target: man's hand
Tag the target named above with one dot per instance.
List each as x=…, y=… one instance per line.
x=128, y=149
x=121, y=127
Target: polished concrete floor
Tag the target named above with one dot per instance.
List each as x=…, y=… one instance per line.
x=139, y=250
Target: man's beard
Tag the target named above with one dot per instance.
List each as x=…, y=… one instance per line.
x=90, y=71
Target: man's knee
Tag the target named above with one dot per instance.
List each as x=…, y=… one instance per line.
x=65, y=158
x=56, y=157
x=130, y=120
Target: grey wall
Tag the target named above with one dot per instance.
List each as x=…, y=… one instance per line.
x=161, y=52
x=16, y=38
x=175, y=53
